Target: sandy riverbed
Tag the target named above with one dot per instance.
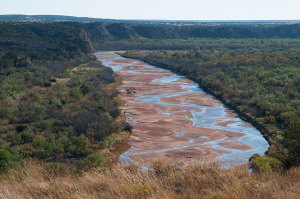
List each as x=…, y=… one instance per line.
x=174, y=120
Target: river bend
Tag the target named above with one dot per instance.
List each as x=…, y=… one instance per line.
x=174, y=120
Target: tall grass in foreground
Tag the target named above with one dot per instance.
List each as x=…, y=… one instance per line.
x=162, y=181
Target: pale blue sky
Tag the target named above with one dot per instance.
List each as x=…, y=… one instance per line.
x=159, y=9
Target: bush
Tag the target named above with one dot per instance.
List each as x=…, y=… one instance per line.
x=55, y=102
x=27, y=136
x=76, y=93
x=22, y=138
x=44, y=124
x=266, y=164
x=47, y=84
x=85, y=89
x=127, y=127
x=94, y=160
x=79, y=146
x=107, y=75
x=52, y=80
x=7, y=159
x=37, y=112
x=21, y=128
x=107, y=142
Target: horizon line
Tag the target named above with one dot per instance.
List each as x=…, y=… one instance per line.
x=186, y=20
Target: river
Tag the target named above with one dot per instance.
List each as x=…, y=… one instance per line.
x=175, y=120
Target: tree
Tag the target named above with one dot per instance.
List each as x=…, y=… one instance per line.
x=7, y=159
x=292, y=143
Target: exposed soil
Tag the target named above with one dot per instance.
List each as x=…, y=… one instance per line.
x=61, y=81
x=225, y=123
x=166, y=131
x=200, y=99
x=245, y=125
x=230, y=113
x=235, y=145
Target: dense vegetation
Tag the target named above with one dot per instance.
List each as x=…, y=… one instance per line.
x=261, y=83
x=58, y=103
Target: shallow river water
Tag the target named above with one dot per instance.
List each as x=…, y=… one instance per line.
x=215, y=133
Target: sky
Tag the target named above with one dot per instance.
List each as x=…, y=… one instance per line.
x=159, y=9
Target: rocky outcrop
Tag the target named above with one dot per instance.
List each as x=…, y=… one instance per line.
x=86, y=39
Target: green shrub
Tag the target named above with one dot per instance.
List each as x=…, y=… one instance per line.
x=291, y=142
x=55, y=102
x=94, y=160
x=52, y=79
x=7, y=110
x=79, y=146
x=7, y=159
x=108, y=141
x=44, y=124
x=28, y=76
x=75, y=93
x=42, y=153
x=266, y=164
x=39, y=141
x=37, y=111
x=85, y=89
x=37, y=97
x=27, y=136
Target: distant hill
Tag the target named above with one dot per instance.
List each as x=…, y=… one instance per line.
x=99, y=31
x=31, y=35
x=62, y=18
x=77, y=37
x=44, y=41
x=50, y=18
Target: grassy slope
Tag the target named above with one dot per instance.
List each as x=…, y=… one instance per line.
x=164, y=181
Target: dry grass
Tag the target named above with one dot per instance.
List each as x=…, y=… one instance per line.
x=163, y=181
